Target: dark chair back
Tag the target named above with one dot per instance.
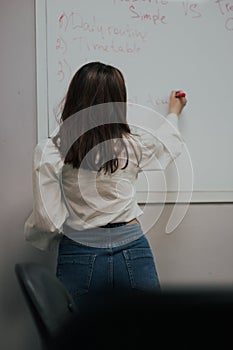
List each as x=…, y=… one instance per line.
x=50, y=303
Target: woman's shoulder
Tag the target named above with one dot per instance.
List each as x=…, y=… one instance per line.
x=145, y=144
x=46, y=152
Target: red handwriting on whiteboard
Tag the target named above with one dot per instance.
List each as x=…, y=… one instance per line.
x=66, y=21
x=157, y=2
x=64, y=70
x=60, y=72
x=107, y=47
x=154, y=18
x=125, y=48
x=191, y=9
x=156, y=101
x=61, y=45
x=63, y=21
x=229, y=23
x=226, y=10
x=77, y=22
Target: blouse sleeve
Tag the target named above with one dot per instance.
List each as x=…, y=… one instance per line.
x=160, y=147
x=44, y=226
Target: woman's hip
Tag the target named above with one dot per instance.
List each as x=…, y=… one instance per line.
x=104, y=237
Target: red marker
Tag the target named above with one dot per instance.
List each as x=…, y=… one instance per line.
x=180, y=94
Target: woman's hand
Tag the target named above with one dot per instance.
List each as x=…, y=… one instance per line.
x=176, y=104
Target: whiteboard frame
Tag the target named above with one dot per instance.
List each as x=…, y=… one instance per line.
x=207, y=197
x=41, y=70
x=42, y=114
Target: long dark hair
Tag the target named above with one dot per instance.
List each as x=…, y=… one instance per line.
x=93, y=119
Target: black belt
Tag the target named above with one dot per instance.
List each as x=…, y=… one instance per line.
x=114, y=224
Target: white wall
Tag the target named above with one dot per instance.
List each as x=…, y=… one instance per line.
x=17, y=139
x=198, y=252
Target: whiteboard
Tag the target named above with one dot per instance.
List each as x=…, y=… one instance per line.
x=159, y=46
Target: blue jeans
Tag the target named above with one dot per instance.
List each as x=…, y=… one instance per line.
x=86, y=270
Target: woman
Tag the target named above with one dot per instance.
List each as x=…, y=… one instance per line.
x=84, y=186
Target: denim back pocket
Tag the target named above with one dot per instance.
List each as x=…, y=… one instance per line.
x=75, y=272
x=141, y=268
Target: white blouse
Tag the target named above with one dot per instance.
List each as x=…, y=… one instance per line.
x=82, y=199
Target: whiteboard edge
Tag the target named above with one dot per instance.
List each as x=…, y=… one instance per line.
x=184, y=197
x=41, y=70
